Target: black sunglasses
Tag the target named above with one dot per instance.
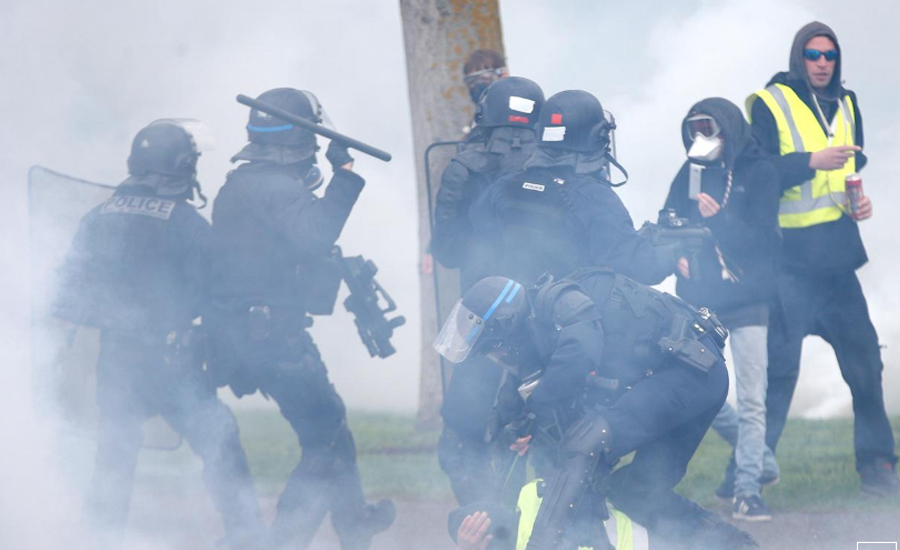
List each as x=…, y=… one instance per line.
x=814, y=55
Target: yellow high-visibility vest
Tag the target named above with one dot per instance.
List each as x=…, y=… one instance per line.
x=821, y=199
x=623, y=533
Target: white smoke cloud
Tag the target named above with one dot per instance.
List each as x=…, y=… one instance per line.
x=78, y=80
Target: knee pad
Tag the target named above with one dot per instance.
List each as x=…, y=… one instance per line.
x=589, y=436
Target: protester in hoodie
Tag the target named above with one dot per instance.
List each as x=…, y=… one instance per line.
x=506, y=116
x=813, y=128
x=728, y=186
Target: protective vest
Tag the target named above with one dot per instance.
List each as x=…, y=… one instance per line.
x=623, y=533
x=643, y=329
x=537, y=216
x=821, y=199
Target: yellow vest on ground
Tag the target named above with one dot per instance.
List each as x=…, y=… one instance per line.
x=623, y=533
x=821, y=199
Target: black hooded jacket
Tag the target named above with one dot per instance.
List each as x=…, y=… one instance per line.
x=828, y=247
x=746, y=228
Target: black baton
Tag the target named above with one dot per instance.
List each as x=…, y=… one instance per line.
x=313, y=127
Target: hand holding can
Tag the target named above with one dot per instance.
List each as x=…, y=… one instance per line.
x=860, y=208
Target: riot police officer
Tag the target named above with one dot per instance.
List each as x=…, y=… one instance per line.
x=607, y=366
x=135, y=271
x=271, y=237
x=505, y=116
x=562, y=213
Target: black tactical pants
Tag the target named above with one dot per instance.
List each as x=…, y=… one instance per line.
x=282, y=362
x=462, y=451
x=135, y=383
x=834, y=308
x=663, y=418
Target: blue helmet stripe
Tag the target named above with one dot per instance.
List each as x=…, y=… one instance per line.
x=499, y=299
x=512, y=294
x=282, y=128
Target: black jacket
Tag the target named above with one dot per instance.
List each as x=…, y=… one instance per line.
x=136, y=265
x=551, y=218
x=746, y=228
x=828, y=247
x=267, y=226
x=454, y=244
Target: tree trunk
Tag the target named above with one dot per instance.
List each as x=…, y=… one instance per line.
x=439, y=35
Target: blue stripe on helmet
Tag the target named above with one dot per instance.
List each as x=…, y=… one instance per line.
x=282, y=128
x=496, y=303
x=512, y=294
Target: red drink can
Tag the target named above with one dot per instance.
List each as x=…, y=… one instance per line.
x=854, y=192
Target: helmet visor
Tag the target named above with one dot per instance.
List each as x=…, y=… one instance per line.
x=704, y=125
x=317, y=108
x=459, y=334
x=201, y=135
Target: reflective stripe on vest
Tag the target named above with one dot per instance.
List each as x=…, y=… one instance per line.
x=821, y=199
x=623, y=533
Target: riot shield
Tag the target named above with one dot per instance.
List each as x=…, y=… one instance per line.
x=64, y=356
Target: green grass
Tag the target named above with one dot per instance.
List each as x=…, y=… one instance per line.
x=397, y=460
x=817, y=469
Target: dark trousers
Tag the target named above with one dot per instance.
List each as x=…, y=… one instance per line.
x=135, y=383
x=462, y=451
x=834, y=308
x=664, y=418
x=327, y=478
x=281, y=360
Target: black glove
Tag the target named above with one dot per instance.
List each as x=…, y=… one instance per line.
x=337, y=154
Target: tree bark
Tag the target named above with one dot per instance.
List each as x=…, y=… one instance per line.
x=439, y=35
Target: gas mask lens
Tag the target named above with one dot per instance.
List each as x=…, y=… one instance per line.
x=706, y=143
x=704, y=125
x=484, y=76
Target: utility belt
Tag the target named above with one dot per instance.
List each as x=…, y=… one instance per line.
x=693, y=340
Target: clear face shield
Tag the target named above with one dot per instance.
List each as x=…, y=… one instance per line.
x=201, y=135
x=321, y=114
x=459, y=334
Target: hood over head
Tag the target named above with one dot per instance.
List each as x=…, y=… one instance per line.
x=735, y=131
x=797, y=64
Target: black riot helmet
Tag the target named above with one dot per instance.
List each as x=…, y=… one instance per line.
x=511, y=101
x=163, y=148
x=265, y=129
x=164, y=155
x=573, y=120
x=493, y=311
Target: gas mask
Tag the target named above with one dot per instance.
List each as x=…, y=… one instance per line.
x=705, y=149
x=707, y=142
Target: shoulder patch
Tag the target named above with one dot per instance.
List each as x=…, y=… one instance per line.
x=141, y=206
x=532, y=186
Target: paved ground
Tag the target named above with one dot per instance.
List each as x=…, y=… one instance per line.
x=177, y=525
